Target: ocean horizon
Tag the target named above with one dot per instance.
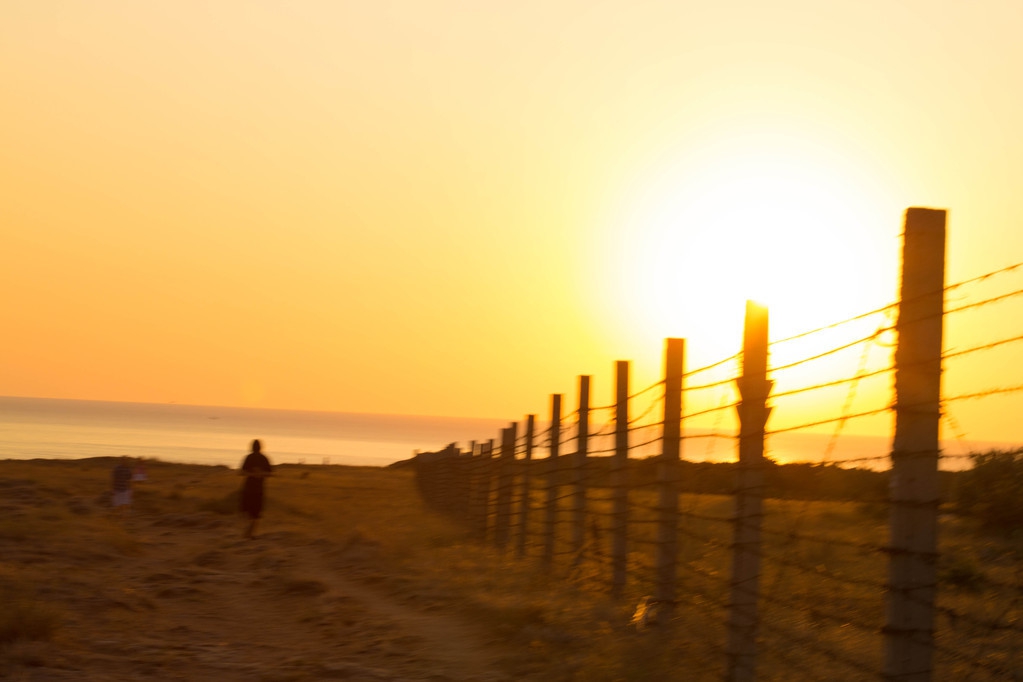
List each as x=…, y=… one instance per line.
x=55, y=428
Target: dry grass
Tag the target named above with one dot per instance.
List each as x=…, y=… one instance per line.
x=60, y=542
x=24, y=616
x=823, y=610
x=823, y=585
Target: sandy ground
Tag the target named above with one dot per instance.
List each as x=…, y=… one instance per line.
x=192, y=600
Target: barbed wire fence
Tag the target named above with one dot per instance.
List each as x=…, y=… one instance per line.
x=827, y=569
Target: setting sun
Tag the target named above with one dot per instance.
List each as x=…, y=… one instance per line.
x=772, y=221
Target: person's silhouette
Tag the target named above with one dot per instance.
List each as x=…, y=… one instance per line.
x=255, y=468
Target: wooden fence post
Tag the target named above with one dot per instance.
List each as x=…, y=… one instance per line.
x=579, y=467
x=477, y=504
x=486, y=469
x=914, y=490
x=619, y=480
x=667, y=473
x=551, y=515
x=459, y=503
x=527, y=475
x=505, y=474
x=468, y=465
x=754, y=389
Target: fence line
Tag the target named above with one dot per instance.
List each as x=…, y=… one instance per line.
x=723, y=539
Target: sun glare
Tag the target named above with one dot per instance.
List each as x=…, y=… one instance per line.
x=769, y=227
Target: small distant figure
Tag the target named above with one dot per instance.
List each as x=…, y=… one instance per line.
x=120, y=480
x=255, y=468
x=139, y=473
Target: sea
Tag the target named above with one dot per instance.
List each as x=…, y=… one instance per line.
x=45, y=428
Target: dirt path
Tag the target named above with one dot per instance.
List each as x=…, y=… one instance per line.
x=194, y=601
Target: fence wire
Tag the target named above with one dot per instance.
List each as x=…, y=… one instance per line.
x=824, y=526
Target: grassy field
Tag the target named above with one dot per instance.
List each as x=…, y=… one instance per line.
x=75, y=578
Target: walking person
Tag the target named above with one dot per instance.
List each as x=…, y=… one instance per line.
x=120, y=482
x=255, y=468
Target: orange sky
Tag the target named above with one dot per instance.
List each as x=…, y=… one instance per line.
x=454, y=208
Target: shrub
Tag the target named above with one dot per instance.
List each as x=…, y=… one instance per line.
x=992, y=491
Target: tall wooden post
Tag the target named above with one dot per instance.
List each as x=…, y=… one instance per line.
x=754, y=389
x=579, y=467
x=667, y=472
x=551, y=508
x=526, y=487
x=505, y=463
x=471, y=503
x=914, y=490
x=619, y=480
x=482, y=476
